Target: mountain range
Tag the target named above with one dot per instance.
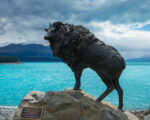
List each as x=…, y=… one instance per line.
x=144, y=59
x=29, y=52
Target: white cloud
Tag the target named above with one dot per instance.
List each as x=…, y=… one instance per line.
x=130, y=54
x=27, y=30
x=133, y=43
x=26, y=37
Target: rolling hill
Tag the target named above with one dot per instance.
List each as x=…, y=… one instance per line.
x=29, y=52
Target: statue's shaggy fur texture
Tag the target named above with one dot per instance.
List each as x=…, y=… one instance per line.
x=79, y=48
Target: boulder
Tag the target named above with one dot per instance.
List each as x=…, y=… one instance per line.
x=71, y=105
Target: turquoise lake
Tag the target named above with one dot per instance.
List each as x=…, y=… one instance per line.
x=17, y=80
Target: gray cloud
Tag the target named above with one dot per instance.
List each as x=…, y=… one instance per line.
x=22, y=13
x=84, y=10
x=25, y=20
x=117, y=11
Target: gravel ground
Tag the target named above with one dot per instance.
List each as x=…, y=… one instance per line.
x=7, y=113
x=140, y=114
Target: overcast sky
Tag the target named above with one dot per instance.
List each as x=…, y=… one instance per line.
x=124, y=24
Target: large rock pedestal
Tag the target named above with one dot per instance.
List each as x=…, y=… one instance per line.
x=71, y=105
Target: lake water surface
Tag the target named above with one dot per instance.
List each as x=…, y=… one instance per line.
x=19, y=79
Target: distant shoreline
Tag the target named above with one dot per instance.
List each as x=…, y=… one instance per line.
x=9, y=63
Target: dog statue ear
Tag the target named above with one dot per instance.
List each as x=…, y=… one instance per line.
x=46, y=29
x=58, y=25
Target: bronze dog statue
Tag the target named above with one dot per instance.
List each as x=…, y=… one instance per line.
x=80, y=49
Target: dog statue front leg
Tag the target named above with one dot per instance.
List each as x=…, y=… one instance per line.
x=77, y=75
